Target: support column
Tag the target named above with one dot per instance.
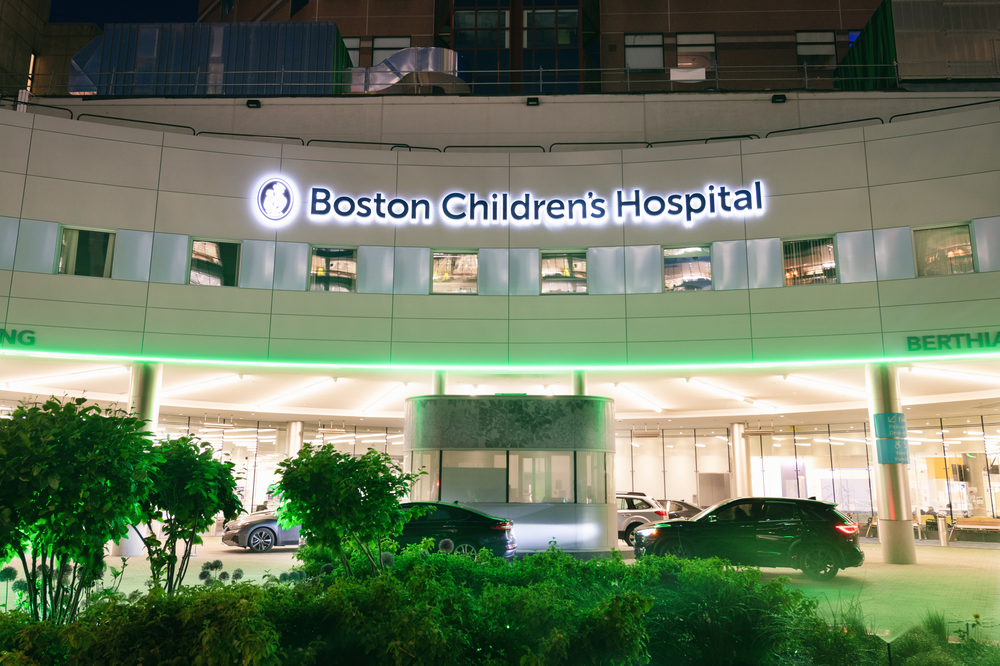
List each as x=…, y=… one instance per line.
x=742, y=485
x=579, y=382
x=439, y=383
x=895, y=516
x=294, y=438
x=144, y=392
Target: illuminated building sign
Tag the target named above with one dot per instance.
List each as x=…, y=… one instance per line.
x=275, y=201
x=14, y=337
x=953, y=341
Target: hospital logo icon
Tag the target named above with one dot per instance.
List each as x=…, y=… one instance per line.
x=274, y=199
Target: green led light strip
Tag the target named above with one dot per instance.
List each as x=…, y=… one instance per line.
x=75, y=356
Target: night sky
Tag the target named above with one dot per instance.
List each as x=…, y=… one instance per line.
x=124, y=11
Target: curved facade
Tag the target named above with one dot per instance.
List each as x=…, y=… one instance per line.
x=865, y=193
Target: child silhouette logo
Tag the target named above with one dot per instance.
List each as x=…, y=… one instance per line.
x=274, y=199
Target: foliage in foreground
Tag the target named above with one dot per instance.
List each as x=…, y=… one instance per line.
x=188, y=489
x=547, y=610
x=71, y=479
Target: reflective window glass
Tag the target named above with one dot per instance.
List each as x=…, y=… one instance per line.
x=333, y=269
x=945, y=251
x=353, y=45
x=541, y=476
x=455, y=273
x=86, y=253
x=641, y=505
x=779, y=511
x=687, y=268
x=816, y=49
x=696, y=50
x=591, y=477
x=564, y=272
x=644, y=52
x=383, y=47
x=214, y=263
x=809, y=261
x=474, y=476
x=738, y=512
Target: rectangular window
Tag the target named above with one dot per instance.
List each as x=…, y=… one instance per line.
x=945, y=251
x=696, y=50
x=541, y=477
x=455, y=273
x=809, y=261
x=353, y=45
x=86, y=253
x=816, y=49
x=687, y=268
x=214, y=263
x=333, y=269
x=644, y=53
x=297, y=6
x=564, y=272
x=474, y=476
x=591, y=477
x=383, y=47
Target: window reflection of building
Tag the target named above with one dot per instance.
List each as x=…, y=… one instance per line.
x=687, y=269
x=809, y=261
x=564, y=272
x=334, y=269
x=946, y=251
x=455, y=273
x=214, y=263
x=86, y=253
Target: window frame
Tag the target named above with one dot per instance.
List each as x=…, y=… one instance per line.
x=466, y=251
x=698, y=47
x=541, y=275
x=836, y=259
x=936, y=227
x=650, y=47
x=663, y=268
x=353, y=50
x=201, y=239
x=109, y=260
x=310, y=277
x=801, y=59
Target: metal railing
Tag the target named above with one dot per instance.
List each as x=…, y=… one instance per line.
x=283, y=83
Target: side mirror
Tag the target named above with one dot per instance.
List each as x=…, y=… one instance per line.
x=713, y=519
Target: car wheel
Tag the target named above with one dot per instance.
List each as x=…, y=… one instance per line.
x=819, y=563
x=675, y=548
x=629, y=535
x=260, y=540
x=466, y=548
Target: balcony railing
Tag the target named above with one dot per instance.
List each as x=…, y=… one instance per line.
x=743, y=78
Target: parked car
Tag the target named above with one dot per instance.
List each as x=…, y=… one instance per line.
x=469, y=529
x=679, y=509
x=764, y=532
x=635, y=510
x=259, y=532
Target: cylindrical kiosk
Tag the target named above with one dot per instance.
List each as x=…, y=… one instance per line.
x=544, y=462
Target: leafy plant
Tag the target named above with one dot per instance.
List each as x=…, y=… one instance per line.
x=339, y=499
x=189, y=488
x=71, y=479
x=209, y=577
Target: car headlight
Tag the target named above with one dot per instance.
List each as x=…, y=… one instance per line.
x=647, y=532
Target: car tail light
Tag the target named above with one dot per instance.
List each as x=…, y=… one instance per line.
x=506, y=525
x=661, y=512
x=849, y=530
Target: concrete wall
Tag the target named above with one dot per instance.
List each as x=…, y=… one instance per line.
x=926, y=172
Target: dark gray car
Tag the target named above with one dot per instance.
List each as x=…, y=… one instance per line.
x=259, y=532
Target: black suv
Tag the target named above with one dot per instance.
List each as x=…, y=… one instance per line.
x=762, y=532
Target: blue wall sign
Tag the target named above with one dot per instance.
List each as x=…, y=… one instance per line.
x=890, y=438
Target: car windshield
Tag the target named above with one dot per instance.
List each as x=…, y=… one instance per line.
x=704, y=512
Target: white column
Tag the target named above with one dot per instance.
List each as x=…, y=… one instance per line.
x=579, y=382
x=144, y=392
x=895, y=516
x=439, y=382
x=294, y=438
x=742, y=485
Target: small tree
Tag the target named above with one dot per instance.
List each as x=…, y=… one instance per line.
x=189, y=488
x=337, y=497
x=71, y=478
